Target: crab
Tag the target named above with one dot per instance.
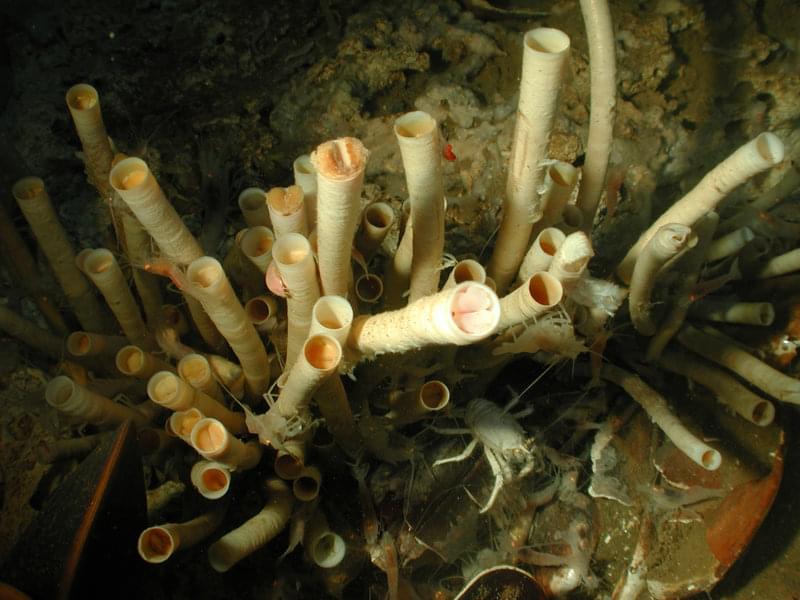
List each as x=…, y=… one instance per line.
x=503, y=439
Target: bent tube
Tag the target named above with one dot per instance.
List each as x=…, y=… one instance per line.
x=66, y=396
x=755, y=156
x=461, y=315
x=256, y=531
x=541, y=252
x=603, y=73
x=667, y=243
x=571, y=260
x=730, y=355
x=545, y=54
x=657, y=409
x=418, y=136
x=213, y=441
x=340, y=166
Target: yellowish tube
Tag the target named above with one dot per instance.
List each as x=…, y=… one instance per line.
x=137, y=248
x=340, y=168
x=211, y=479
x=212, y=288
x=432, y=397
x=29, y=333
x=465, y=270
x=325, y=548
x=182, y=422
x=399, y=271
x=169, y=390
x=256, y=531
x=376, y=222
x=214, y=442
x=102, y=268
x=320, y=358
x=545, y=54
x=305, y=175
x=305, y=486
x=256, y=245
x=541, y=252
x=34, y=202
x=135, y=362
x=66, y=396
x=195, y=370
x=418, y=135
x=295, y=262
x=571, y=260
x=290, y=460
x=83, y=102
x=536, y=296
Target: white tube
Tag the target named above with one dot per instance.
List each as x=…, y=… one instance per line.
x=286, y=210
x=544, y=58
x=431, y=397
x=461, y=315
x=465, y=270
x=657, y=409
x=182, y=422
x=733, y=311
x=295, y=261
x=135, y=362
x=319, y=359
x=418, y=136
x=211, y=479
x=256, y=244
x=66, y=396
x=603, y=72
x=213, y=441
x=256, y=531
x=755, y=156
x=541, y=252
x=730, y=355
x=559, y=182
x=305, y=175
x=253, y=204
x=536, y=296
x=368, y=288
x=729, y=244
x=156, y=544
x=325, y=548
x=212, y=288
x=262, y=312
x=137, y=186
x=169, y=390
x=340, y=168
x=376, y=221
x=780, y=265
x=289, y=461
x=728, y=391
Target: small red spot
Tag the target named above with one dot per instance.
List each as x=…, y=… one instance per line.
x=448, y=152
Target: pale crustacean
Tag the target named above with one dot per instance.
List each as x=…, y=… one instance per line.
x=505, y=442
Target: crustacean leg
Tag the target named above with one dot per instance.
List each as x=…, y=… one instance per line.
x=458, y=457
x=497, y=470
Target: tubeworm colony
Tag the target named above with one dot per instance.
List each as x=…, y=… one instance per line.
x=333, y=379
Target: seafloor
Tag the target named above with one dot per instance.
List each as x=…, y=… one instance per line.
x=217, y=96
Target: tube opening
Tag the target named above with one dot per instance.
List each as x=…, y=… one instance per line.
x=59, y=391
x=288, y=466
x=763, y=413
x=369, y=288
x=252, y=199
x=156, y=545
x=547, y=40
x=306, y=486
x=209, y=436
x=291, y=249
x=215, y=480
x=257, y=241
x=545, y=289
x=711, y=460
x=258, y=310
x=766, y=314
x=130, y=359
x=563, y=174
x=770, y=147
x=341, y=158
x=414, y=124
x=82, y=96
x=572, y=216
x=128, y=174
x=183, y=421
x=328, y=550
x=333, y=312
x=205, y=272
x=302, y=164
x=474, y=309
x=285, y=201
x=79, y=343
x=468, y=270
x=550, y=240
x=28, y=188
x=194, y=368
x=379, y=215
x=322, y=352
x=434, y=395
x=163, y=386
